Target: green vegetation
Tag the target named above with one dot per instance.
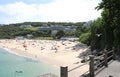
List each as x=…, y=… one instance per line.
x=32, y=28
x=10, y=32
x=80, y=30
x=59, y=34
x=111, y=23
x=96, y=34
x=20, y=29
x=105, y=31
x=85, y=38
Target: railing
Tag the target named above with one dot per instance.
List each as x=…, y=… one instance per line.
x=96, y=64
x=64, y=70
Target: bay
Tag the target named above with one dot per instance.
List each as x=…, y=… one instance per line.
x=16, y=66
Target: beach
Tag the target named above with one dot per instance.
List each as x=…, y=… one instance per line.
x=54, y=52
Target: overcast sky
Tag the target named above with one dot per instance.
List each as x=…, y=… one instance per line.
x=15, y=11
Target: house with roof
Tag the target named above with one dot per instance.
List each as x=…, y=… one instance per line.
x=25, y=26
x=55, y=28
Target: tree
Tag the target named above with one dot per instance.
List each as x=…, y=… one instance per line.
x=85, y=38
x=96, y=30
x=111, y=22
x=80, y=30
x=60, y=34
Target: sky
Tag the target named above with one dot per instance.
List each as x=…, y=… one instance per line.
x=17, y=11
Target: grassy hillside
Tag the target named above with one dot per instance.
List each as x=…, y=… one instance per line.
x=32, y=28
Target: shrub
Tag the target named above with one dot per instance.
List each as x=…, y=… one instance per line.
x=85, y=38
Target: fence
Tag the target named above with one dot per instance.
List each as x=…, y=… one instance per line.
x=64, y=70
x=96, y=64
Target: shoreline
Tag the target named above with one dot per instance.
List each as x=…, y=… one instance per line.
x=27, y=55
x=30, y=56
x=61, y=58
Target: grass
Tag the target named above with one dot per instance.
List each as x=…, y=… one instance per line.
x=32, y=28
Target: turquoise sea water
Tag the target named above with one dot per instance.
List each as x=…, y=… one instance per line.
x=16, y=66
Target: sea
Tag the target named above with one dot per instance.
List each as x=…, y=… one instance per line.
x=16, y=66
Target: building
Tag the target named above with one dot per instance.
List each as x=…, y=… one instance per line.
x=29, y=36
x=19, y=37
x=69, y=38
x=25, y=26
x=56, y=28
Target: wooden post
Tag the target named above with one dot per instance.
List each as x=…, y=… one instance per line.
x=113, y=53
x=105, y=57
x=91, y=68
x=64, y=71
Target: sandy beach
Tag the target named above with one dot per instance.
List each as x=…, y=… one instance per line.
x=55, y=53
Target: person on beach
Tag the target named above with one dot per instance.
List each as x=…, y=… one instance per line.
x=56, y=49
x=25, y=46
x=42, y=48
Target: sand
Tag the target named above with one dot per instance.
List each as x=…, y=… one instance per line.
x=56, y=53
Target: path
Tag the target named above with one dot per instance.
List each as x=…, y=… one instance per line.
x=112, y=70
